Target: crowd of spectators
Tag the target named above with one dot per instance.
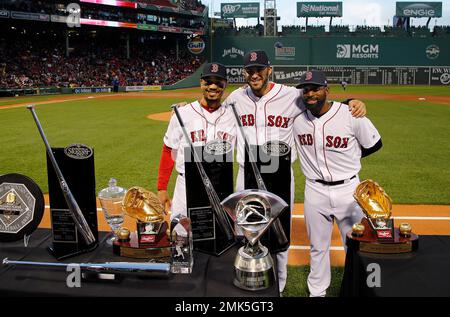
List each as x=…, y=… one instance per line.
x=42, y=64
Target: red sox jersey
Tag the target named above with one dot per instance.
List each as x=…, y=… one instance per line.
x=330, y=146
x=202, y=126
x=269, y=118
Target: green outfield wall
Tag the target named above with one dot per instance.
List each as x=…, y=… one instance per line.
x=361, y=60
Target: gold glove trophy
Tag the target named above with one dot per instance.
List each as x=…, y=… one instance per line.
x=150, y=239
x=254, y=211
x=376, y=232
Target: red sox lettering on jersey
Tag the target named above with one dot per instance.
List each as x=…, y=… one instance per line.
x=202, y=127
x=330, y=146
x=268, y=118
x=332, y=141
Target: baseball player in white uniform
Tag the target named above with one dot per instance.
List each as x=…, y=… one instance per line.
x=267, y=111
x=205, y=120
x=330, y=143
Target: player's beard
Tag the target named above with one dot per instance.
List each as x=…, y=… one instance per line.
x=257, y=88
x=316, y=106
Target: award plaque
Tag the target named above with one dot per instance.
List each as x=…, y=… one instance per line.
x=217, y=161
x=182, y=245
x=76, y=163
x=150, y=240
x=21, y=207
x=254, y=211
x=274, y=162
x=376, y=232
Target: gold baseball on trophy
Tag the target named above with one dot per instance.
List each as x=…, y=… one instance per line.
x=358, y=229
x=123, y=234
x=405, y=229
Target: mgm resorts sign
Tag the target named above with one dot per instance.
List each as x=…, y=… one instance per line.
x=418, y=9
x=358, y=51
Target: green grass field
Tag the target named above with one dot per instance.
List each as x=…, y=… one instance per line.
x=413, y=165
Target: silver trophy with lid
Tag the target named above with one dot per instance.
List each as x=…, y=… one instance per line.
x=254, y=211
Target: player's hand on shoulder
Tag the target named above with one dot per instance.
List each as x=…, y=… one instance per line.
x=357, y=108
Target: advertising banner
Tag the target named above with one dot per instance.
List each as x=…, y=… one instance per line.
x=239, y=10
x=319, y=9
x=418, y=9
x=30, y=16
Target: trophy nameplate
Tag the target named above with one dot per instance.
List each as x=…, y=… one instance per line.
x=133, y=249
x=254, y=211
x=150, y=233
x=376, y=233
x=21, y=207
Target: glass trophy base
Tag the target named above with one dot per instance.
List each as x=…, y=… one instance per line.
x=369, y=241
x=254, y=273
x=132, y=248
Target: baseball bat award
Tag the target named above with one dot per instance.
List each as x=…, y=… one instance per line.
x=75, y=211
x=221, y=216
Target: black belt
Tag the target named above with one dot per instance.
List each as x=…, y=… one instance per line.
x=334, y=183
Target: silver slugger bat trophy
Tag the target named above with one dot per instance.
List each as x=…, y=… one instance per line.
x=75, y=210
x=277, y=227
x=254, y=211
x=135, y=268
x=221, y=215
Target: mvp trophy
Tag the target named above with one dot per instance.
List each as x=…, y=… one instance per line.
x=151, y=239
x=376, y=232
x=254, y=211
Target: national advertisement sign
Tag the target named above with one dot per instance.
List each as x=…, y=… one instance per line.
x=419, y=9
x=239, y=10
x=319, y=9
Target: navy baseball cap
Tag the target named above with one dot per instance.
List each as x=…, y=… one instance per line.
x=214, y=69
x=313, y=77
x=256, y=58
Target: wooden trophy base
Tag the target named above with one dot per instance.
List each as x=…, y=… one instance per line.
x=132, y=249
x=369, y=242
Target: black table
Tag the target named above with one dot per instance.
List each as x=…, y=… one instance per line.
x=211, y=277
x=425, y=272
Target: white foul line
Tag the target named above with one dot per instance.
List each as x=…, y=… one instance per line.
x=400, y=218
x=305, y=247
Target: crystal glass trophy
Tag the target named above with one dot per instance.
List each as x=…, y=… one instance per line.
x=111, y=200
x=182, y=244
x=254, y=211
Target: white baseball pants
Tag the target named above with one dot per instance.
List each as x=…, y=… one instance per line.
x=325, y=204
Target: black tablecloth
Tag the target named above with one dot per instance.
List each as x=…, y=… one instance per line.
x=425, y=272
x=211, y=276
